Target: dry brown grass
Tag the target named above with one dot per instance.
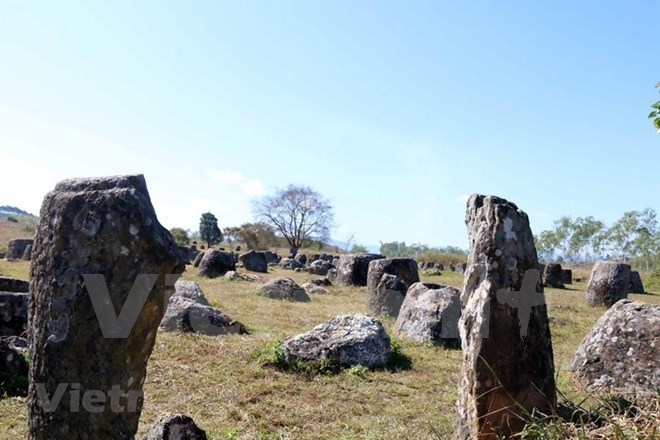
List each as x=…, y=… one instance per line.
x=9, y=230
x=220, y=383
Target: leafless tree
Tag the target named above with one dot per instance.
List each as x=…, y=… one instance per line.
x=299, y=213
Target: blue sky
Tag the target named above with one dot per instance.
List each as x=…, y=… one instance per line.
x=395, y=111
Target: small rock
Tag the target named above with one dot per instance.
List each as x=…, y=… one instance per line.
x=284, y=288
x=175, y=427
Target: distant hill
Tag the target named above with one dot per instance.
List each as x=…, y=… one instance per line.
x=12, y=210
x=15, y=223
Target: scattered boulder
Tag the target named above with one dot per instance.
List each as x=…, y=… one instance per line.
x=271, y=257
x=175, y=427
x=198, y=259
x=609, y=283
x=430, y=313
x=620, y=354
x=13, y=369
x=508, y=368
x=290, y=263
x=235, y=276
x=567, y=276
x=13, y=313
x=284, y=288
x=216, y=263
x=320, y=267
x=14, y=285
x=323, y=282
x=352, y=269
x=388, y=281
x=314, y=289
x=636, y=285
x=350, y=339
x=16, y=248
x=332, y=275
x=190, y=290
x=185, y=315
x=255, y=261
x=105, y=226
x=553, y=276
x=301, y=258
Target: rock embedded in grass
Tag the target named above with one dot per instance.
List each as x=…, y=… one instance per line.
x=285, y=289
x=175, y=427
x=191, y=290
x=349, y=339
x=184, y=315
x=429, y=314
x=620, y=354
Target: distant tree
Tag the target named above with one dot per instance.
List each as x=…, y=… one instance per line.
x=572, y=240
x=257, y=235
x=209, y=230
x=655, y=114
x=231, y=234
x=180, y=236
x=299, y=213
x=359, y=249
x=634, y=235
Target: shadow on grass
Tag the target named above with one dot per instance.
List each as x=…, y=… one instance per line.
x=273, y=356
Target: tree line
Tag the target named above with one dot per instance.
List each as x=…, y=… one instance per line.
x=634, y=237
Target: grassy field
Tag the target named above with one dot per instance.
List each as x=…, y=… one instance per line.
x=23, y=228
x=221, y=384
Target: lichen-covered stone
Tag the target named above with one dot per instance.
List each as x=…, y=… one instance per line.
x=105, y=227
x=388, y=280
x=184, y=315
x=430, y=313
x=350, y=339
x=508, y=365
x=620, y=354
